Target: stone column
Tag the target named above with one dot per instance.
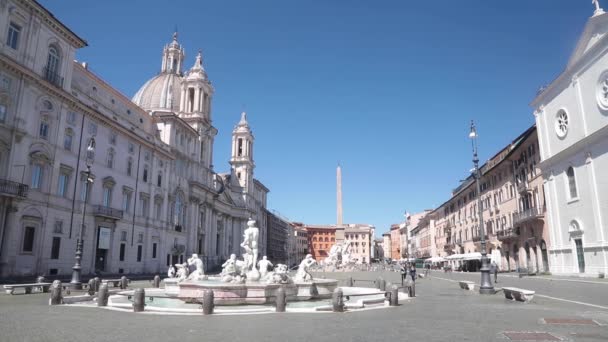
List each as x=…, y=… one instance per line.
x=197, y=96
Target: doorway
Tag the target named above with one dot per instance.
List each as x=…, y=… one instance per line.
x=580, y=254
x=104, y=235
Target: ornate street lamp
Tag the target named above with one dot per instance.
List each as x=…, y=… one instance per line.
x=76, y=283
x=486, y=284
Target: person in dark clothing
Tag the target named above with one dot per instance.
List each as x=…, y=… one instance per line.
x=413, y=272
x=403, y=272
x=494, y=270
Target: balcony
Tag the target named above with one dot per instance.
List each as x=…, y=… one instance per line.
x=449, y=246
x=13, y=189
x=53, y=77
x=476, y=238
x=529, y=214
x=107, y=212
x=507, y=234
x=523, y=187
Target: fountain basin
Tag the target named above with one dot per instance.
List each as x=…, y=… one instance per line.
x=250, y=292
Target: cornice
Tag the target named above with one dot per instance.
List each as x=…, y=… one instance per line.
x=53, y=22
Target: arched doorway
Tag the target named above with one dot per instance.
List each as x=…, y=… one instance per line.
x=528, y=259
x=545, y=256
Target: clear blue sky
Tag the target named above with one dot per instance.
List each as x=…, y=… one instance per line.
x=387, y=88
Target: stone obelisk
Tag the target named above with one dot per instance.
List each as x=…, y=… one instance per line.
x=339, y=223
x=339, y=195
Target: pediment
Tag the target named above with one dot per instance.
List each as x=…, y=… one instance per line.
x=595, y=29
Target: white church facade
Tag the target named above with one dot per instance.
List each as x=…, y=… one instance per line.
x=152, y=196
x=572, y=119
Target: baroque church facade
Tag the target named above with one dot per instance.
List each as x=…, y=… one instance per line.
x=151, y=196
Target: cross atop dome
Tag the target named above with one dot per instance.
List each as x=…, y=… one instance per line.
x=598, y=9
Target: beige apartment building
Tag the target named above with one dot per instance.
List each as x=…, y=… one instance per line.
x=513, y=208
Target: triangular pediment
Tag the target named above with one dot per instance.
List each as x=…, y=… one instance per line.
x=595, y=29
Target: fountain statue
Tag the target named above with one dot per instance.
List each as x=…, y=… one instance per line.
x=263, y=266
x=280, y=275
x=250, y=245
x=198, y=273
x=171, y=272
x=182, y=272
x=303, y=273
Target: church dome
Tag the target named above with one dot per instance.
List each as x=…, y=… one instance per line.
x=160, y=92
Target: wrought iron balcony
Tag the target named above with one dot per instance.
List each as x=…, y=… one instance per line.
x=13, y=189
x=523, y=186
x=53, y=77
x=529, y=214
x=507, y=234
x=103, y=211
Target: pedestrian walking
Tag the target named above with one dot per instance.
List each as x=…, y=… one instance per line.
x=403, y=272
x=413, y=272
x=494, y=269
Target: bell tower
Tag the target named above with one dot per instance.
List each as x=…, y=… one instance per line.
x=173, y=57
x=242, y=154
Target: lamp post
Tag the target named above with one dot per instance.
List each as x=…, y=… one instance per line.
x=486, y=284
x=76, y=283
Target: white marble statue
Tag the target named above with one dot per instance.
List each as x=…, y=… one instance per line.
x=199, y=272
x=171, y=272
x=250, y=244
x=182, y=272
x=303, y=273
x=280, y=275
x=263, y=266
x=229, y=267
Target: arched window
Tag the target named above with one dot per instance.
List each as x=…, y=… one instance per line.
x=52, y=66
x=110, y=159
x=67, y=140
x=179, y=211
x=44, y=127
x=571, y=182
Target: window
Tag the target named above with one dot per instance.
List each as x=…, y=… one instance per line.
x=107, y=196
x=571, y=183
x=240, y=147
x=55, y=247
x=92, y=128
x=110, y=159
x=154, y=250
x=113, y=136
x=67, y=140
x=145, y=203
x=58, y=228
x=71, y=118
x=62, y=184
x=2, y=112
x=129, y=166
x=126, y=201
x=37, y=173
x=123, y=235
x=145, y=175
x=12, y=39
x=44, y=129
x=131, y=148
x=139, y=251
x=28, y=239
x=157, y=209
x=122, y=252
x=561, y=123
x=159, y=179
x=52, y=65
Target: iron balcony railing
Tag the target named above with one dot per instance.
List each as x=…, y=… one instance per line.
x=53, y=77
x=100, y=210
x=10, y=188
x=528, y=214
x=506, y=234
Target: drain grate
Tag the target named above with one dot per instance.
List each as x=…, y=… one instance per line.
x=530, y=336
x=572, y=321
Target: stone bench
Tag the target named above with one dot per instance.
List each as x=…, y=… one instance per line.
x=44, y=287
x=521, y=295
x=467, y=285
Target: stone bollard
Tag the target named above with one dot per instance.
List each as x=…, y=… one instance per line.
x=97, y=283
x=350, y=282
x=124, y=282
x=208, y=302
x=91, y=287
x=394, y=295
x=102, y=295
x=337, y=300
x=281, y=300
x=56, y=296
x=408, y=287
x=156, y=281
x=139, y=300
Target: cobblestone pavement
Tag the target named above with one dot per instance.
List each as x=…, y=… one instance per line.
x=440, y=312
